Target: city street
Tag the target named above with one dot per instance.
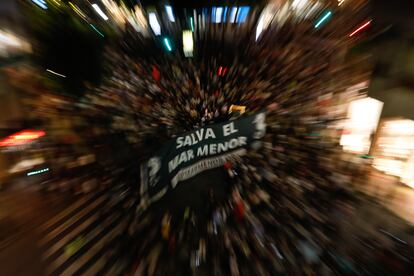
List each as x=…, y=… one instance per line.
x=22, y=213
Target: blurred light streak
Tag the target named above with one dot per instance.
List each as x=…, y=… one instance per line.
x=21, y=137
x=193, y=20
x=312, y=10
x=233, y=14
x=340, y=2
x=137, y=20
x=323, y=19
x=167, y=44
x=37, y=172
x=77, y=10
x=53, y=72
x=259, y=28
x=118, y=14
x=217, y=14
x=40, y=3
x=392, y=236
x=9, y=42
x=191, y=24
x=204, y=18
x=199, y=21
x=155, y=25
x=188, y=43
x=93, y=27
x=220, y=70
x=57, y=2
x=242, y=14
x=100, y=12
x=299, y=4
x=170, y=13
x=408, y=176
x=8, y=39
x=360, y=28
x=26, y=164
x=225, y=14
x=266, y=17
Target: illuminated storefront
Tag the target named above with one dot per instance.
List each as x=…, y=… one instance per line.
x=363, y=116
x=394, y=149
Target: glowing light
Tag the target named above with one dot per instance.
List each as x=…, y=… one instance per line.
x=217, y=14
x=265, y=19
x=259, y=28
x=77, y=10
x=299, y=4
x=360, y=28
x=56, y=2
x=233, y=14
x=323, y=19
x=38, y=172
x=40, y=3
x=155, y=25
x=193, y=20
x=21, y=137
x=340, y=2
x=363, y=117
x=9, y=40
x=191, y=24
x=242, y=14
x=225, y=14
x=239, y=108
x=188, y=43
x=220, y=70
x=93, y=27
x=100, y=12
x=167, y=44
x=53, y=72
x=394, y=154
x=170, y=13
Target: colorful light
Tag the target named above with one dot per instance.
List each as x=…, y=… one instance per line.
x=225, y=14
x=56, y=2
x=155, y=25
x=191, y=24
x=242, y=14
x=217, y=14
x=170, y=13
x=188, y=43
x=77, y=10
x=93, y=27
x=360, y=28
x=323, y=19
x=21, y=138
x=233, y=14
x=100, y=12
x=222, y=71
x=167, y=44
x=55, y=73
x=40, y=3
x=259, y=28
x=299, y=4
x=37, y=172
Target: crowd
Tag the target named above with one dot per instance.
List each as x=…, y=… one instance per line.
x=274, y=222
x=291, y=196
x=290, y=211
